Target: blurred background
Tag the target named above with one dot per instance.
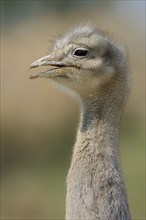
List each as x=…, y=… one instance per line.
x=39, y=122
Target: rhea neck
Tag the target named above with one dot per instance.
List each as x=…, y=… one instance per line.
x=95, y=156
x=100, y=119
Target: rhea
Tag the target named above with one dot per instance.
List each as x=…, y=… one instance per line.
x=94, y=67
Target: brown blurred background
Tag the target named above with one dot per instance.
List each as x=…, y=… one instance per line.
x=39, y=122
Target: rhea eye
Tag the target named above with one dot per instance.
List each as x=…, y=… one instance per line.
x=80, y=52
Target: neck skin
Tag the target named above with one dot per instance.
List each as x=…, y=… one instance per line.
x=95, y=188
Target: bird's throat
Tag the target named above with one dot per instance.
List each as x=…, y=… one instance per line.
x=95, y=161
x=99, y=128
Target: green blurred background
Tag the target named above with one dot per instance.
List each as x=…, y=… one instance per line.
x=39, y=122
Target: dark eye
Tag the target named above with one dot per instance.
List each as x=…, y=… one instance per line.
x=80, y=52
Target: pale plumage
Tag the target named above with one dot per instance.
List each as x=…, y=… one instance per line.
x=92, y=65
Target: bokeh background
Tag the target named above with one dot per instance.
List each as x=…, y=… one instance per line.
x=39, y=122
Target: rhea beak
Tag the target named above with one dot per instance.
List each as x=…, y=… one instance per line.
x=47, y=61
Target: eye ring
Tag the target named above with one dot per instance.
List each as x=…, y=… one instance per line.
x=80, y=52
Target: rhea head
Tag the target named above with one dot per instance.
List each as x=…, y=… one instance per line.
x=84, y=58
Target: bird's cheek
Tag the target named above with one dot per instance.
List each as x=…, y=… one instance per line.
x=93, y=64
